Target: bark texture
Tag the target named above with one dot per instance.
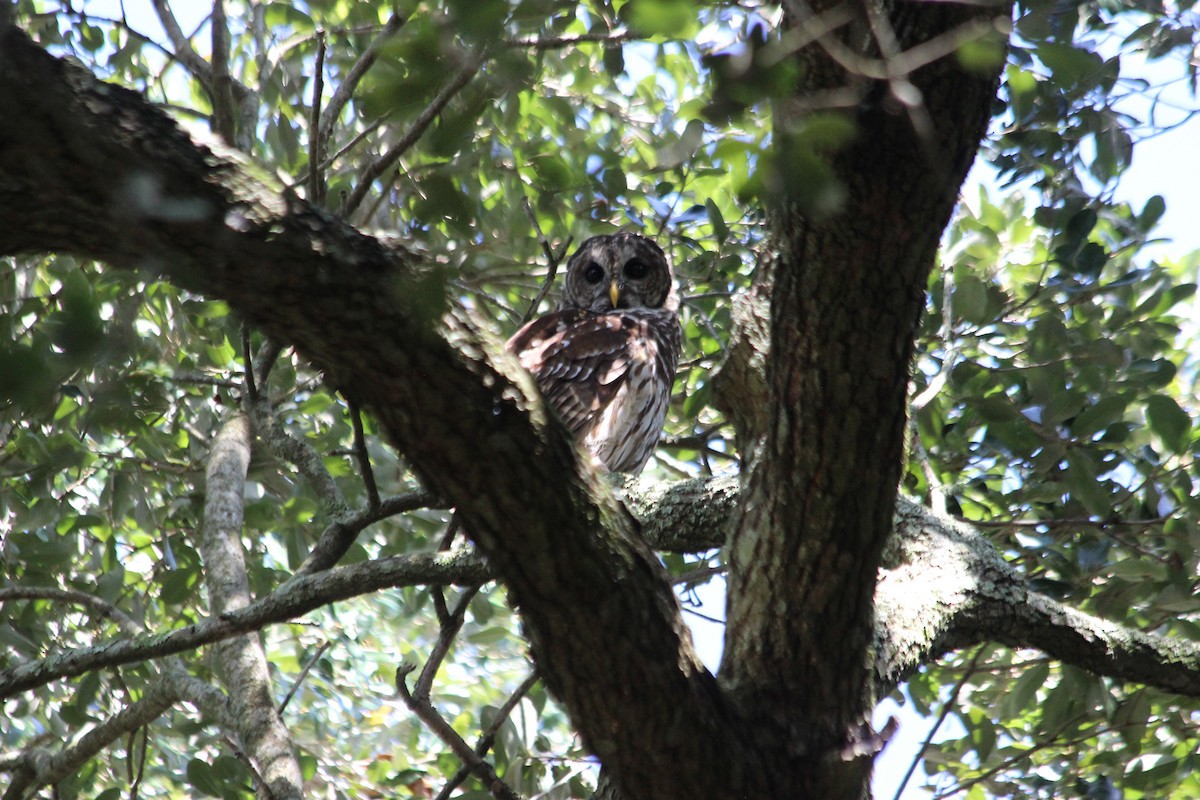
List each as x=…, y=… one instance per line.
x=265, y=739
x=847, y=292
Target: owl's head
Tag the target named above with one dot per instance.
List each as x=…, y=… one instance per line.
x=621, y=270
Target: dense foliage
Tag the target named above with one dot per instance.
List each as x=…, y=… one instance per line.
x=1055, y=389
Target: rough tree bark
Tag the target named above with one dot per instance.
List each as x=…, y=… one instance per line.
x=92, y=170
x=265, y=739
x=846, y=295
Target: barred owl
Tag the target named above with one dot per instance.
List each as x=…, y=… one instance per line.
x=605, y=360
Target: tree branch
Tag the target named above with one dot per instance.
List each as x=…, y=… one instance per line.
x=342, y=95
x=425, y=711
x=266, y=740
x=184, y=53
x=414, y=132
x=336, y=539
x=604, y=624
x=488, y=737
x=947, y=588
x=295, y=598
x=37, y=768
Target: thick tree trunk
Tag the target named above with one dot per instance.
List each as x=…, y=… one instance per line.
x=846, y=293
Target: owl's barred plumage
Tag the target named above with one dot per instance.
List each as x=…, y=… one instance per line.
x=605, y=360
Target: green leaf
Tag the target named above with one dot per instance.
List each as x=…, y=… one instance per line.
x=1080, y=225
x=970, y=300
x=1151, y=213
x=1091, y=259
x=1099, y=415
x=1023, y=695
x=676, y=19
x=1169, y=422
x=717, y=220
x=1069, y=63
x=201, y=777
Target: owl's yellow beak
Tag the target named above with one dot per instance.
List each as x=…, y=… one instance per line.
x=614, y=293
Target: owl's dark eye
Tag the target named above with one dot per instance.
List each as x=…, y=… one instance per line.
x=636, y=269
x=594, y=273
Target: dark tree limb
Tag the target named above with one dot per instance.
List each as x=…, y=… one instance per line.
x=93, y=170
x=846, y=293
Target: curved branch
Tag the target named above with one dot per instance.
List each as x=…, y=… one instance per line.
x=99, y=606
x=604, y=624
x=336, y=539
x=948, y=588
x=418, y=703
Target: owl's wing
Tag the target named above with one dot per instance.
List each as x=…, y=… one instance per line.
x=579, y=360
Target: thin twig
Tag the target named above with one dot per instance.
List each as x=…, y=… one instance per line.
x=350, y=145
x=1064, y=522
x=700, y=574
x=947, y=707
x=440, y=728
x=410, y=137
x=552, y=261
x=363, y=457
x=308, y=665
x=316, y=184
x=248, y=364
x=488, y=737
x=555, y=42
x=135, y=784
x=441, y=647
x=345, y=91
x=184, y=53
